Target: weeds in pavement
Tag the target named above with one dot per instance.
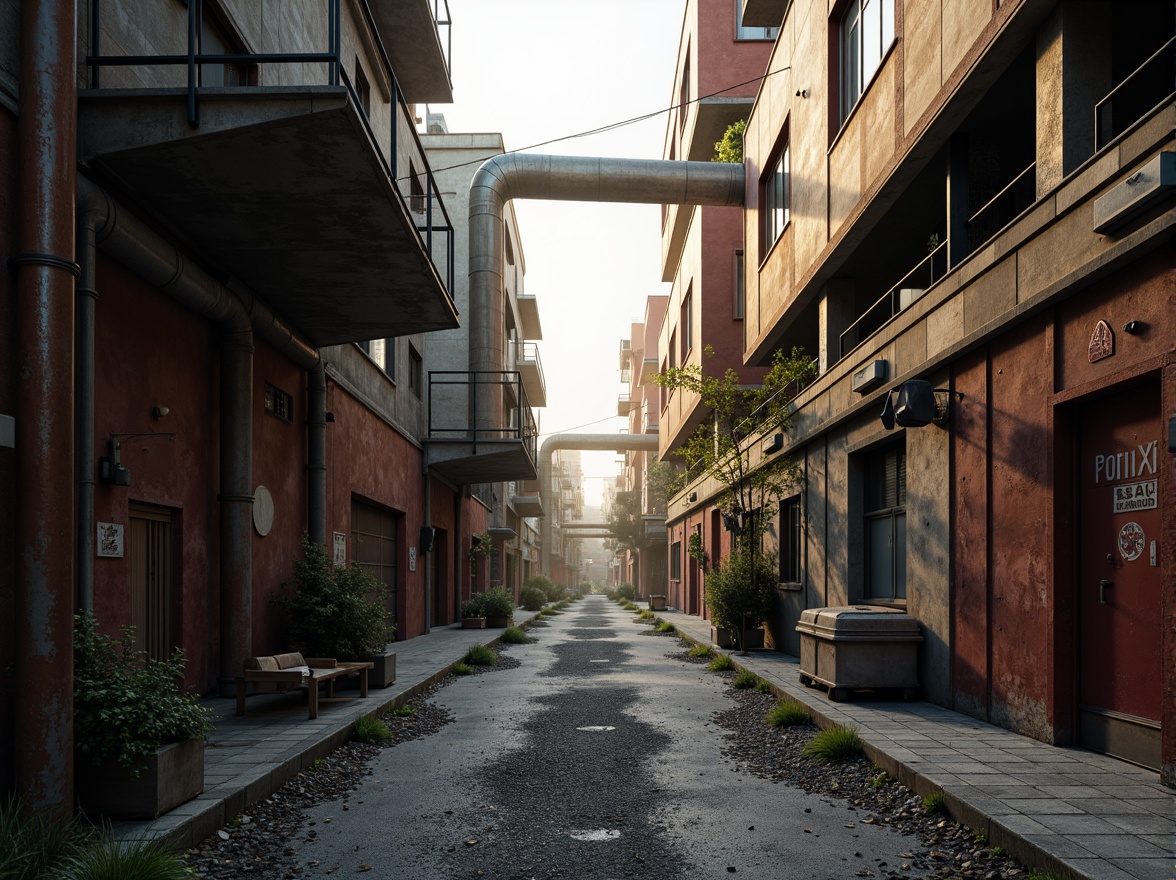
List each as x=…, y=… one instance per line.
x=664, y=627
x=883, y=778
x=935, y=802
x=479, y=655
x=763, y=687
x=701, y=651
x=721, y=663
x=645, y=615
x=462, y=669
x=514, y=635
x=745, y=680
x=370, y=730
x=126, y=860
x=403, y=711
x=834, y=744
x=787, y=713
x=629, y=606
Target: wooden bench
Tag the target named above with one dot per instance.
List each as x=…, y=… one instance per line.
x=284, y=672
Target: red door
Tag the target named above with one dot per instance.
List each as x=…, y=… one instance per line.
x=1119, y=576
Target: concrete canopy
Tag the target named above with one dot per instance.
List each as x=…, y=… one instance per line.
x=283, y=191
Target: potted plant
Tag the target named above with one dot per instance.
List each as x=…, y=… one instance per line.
x=138, y=738
x=472, y=615
x=498, y=606
x=338, y=611
x=739, y=595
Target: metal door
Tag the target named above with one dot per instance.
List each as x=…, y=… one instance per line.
x=150, y=550
x=1119, y=576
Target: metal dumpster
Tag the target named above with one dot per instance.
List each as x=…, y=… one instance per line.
x=859, y=647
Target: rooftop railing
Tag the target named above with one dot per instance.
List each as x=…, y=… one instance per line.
x=195, y=61
x=454, y=397
x=1148, y=86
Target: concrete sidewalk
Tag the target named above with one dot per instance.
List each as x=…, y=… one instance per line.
x=1063, y=810
x=248, y=758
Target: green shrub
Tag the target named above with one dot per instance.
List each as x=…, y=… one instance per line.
x=740, y=591
x=629, y=606
x=745, y=680
x=611, y=595
x=721, y=663
x=645, y=615
x=31, y=844
x=763, y=687
x=730, y=148
x=462, y=669
x=787, y=713
x=498, y=603
x=479, y=655
x=514, y=635
x=664, y=627
x=334, y=611
x=533, y=598
x=370, y=730
x=701, y=651
x=127, y=860
x=935, y=802
x=472, y=607
x=834, y=744
x=626, y=591
x=126, y=705
x=553, y=591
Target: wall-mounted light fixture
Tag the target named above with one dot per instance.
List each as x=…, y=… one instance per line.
x=1135, y=328
x=110, y=468
x=918, y=405
x=158, y=412
x=693, y=497
x=802, y=93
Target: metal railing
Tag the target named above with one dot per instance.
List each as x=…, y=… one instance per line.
x=518, y=420
x=1144, y=89
x=1003, y=208
x=913, y=285
x=195, y=61
x=527, y=355
x=445, y=23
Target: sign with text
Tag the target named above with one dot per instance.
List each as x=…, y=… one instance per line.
x=1136, y=496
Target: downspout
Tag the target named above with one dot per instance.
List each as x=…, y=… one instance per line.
x=45, y=272
x=159, y=263
x=426, y=562
x=87, y=305
x=599, y=442
x=316, y=454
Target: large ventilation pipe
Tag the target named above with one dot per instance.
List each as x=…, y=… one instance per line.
x=135, y=245
x=44, y=336
x=573, y=178
x=601, y=442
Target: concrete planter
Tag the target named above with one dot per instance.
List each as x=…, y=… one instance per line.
x=859, y=647
x=383, y=671
x=723, y=638
x=174, y=774
x=473, y=623
x=657, y=603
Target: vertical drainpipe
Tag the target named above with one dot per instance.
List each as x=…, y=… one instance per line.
x=421, y=556
x=45, y=273
x=316, y=454
x=87, y=305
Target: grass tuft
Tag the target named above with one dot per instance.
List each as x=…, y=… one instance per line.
x=664, y=627
x=834, y=744
x=127, y=860
x=882, y=779
x=462, y=669
x=763, y=687
x=370, y=730
x=701, y=651
x=745, y=680
x=721, y=663
x=403, y=711
x=629, y=606
x=514, y=635
x=935, y=802
x=787, y=713
x=645, y=615
x=479, y=655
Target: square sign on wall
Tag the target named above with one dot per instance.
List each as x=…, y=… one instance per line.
x=110, y=540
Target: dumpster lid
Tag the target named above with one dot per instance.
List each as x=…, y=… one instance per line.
x=860, y=622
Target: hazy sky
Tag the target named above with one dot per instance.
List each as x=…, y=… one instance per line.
x=536, y=70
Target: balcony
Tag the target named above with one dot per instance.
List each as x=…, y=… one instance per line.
x=648, y=371
x=312, y=192
x=531, y=369
x=626, y=352
x=764, y=13
x=1147, y=87
x=418, y=34
x=624, y=404
x=529, y=313
x=649, y=418
x=471, y=440
x=526, y=498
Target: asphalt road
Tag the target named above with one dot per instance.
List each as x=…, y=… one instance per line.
x=596, y=758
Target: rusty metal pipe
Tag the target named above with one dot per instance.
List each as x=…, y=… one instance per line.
x=45, y=273
x=87, y=305
x=316, y=454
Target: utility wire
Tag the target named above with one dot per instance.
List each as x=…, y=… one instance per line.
x=622, y=123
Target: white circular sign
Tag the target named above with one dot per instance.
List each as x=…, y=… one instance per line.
x=1131, y=541
x=263, y=510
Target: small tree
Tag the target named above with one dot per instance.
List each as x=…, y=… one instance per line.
x=739, y=592
x=730, y=148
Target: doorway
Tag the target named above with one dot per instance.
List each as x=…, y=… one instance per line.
x=149, y=547
x=1119, y=575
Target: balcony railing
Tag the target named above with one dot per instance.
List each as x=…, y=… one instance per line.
x=528, y=354
x=624, y=404
x=444, y=30
x=449, y=390
x=1148, y=86
x=929, y=270
x=195, y=61
x=1003, y=208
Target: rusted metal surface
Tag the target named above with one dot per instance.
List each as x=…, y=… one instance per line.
x=44, y=440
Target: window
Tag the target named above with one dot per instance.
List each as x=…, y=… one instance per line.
x=217, y=38
x=751, y=33
x=278, y=403
x=673, y=349
x=686, y=319
x=740, y=287
x=790, y=540
x=363, y=89
x=676, y=561
x=415, y=371
x=885, y=521
x=663, y=395
x=866, y=32
x=775, y=197
x=684, y=92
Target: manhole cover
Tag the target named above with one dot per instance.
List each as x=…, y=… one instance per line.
x=597, y=728
x=599, y=834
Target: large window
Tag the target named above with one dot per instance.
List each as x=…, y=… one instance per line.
x=790, y=544
x=885, y=525
x=676, y=561
x=740, y=287
x=415, y=372
x=686, y=320
x=866, y=32
x=751, y=33
x=775, y=197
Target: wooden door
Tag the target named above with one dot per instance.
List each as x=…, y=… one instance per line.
x=1119, y=575
x=149, y=547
